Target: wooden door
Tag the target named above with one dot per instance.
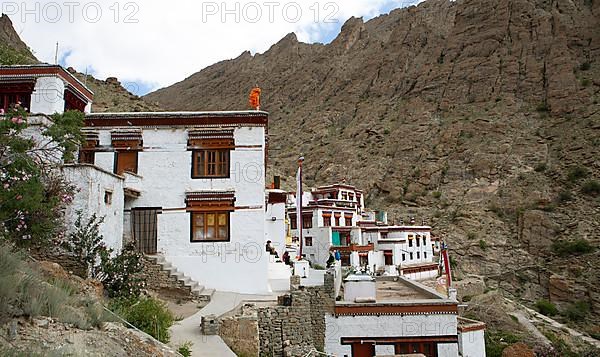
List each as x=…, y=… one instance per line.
x=144, y=228
x=363, y=350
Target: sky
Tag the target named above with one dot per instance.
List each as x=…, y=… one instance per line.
x=151, y=44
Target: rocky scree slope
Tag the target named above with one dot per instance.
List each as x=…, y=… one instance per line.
x=480, y=116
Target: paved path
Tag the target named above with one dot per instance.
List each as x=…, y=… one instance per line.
x=210, y=346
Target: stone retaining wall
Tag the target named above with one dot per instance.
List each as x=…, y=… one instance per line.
x=160, y=281
x=240, y=333
x=296, y=329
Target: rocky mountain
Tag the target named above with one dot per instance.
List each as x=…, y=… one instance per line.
x=12, y=49
x=111, y=96
x=479, y=116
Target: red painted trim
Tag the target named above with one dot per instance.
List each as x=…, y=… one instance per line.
x=170, y=119
x=389, y=309
x=48, y=70
x=394, y=340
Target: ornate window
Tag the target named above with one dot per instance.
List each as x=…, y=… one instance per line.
x=211, y=152
x=210, y=215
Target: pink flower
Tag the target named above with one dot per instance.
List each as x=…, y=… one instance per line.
x=18, y=197
x=6, y=186
x=17, y=120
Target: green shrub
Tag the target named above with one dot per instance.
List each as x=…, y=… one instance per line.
x=149, y=315
x=585, y=82
x=541, y=167
x=564, y=196
x=577, y=311
x=578, y=246
x=471, y=235
x=120, y=274
x=576, y=173
x=482, y=244
x=545, y=307
x=497, y=341
x=185, y=349
x=318, y=267
x=591, y=187
x=436, y=194
x=542, y=108
x=85, y=241
x=584, y=66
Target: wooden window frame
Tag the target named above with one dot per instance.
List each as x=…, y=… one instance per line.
x=308, y=240
x=116, y=163
x=348, y=219
x=326, y=219
x=220, y=165
x=87, y=157
x=293, y=222
x=307, y=221
x=193, y=227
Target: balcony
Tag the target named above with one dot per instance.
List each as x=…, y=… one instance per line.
x=353, y=247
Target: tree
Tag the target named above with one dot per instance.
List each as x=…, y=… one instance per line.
x=34, y=193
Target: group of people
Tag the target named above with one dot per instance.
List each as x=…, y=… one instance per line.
x=286, y=256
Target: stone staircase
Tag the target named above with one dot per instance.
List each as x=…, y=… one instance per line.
x=198, y=291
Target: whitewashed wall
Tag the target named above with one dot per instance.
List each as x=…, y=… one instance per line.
x=92, y=184
x=48, y=96
x=275, y=229
x=164, y=170
x=388, y=326
x=472, y=343
x=319, y=251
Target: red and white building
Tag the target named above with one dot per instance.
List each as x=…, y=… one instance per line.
x=43, y=89
x=396, y=316
x=188, y=186
x=334, y=218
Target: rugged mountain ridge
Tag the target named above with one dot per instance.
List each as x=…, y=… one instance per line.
x=476, y=115
x=12, y=49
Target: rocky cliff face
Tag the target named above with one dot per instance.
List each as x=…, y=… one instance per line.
x=12, y=49
x=480, y=116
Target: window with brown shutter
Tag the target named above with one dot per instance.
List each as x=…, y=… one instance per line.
x=306, y=221
x=327, y=219
x=211, y=152
x=127, y=143
x=210, y=226
x=126, y=161
x=210, y=163
x=293, y=222
x=87, y=157
x=348, y=219
x=210, y=215
x=337, y=218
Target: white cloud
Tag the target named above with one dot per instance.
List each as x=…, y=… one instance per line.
x=157, y=43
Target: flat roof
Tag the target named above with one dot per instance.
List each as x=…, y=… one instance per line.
x=14, y=72
x=178, y=118
x=399, y=295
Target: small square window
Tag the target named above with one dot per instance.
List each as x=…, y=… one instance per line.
x=308, y=241
x=107, y=198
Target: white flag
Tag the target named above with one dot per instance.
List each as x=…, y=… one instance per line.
x=299, y=199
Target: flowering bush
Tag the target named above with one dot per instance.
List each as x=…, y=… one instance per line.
x=85, y=242
x=33, y=193
x=120, y=275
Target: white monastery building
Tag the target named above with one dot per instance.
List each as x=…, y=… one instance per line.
x=194, y=187
x=334, y=218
